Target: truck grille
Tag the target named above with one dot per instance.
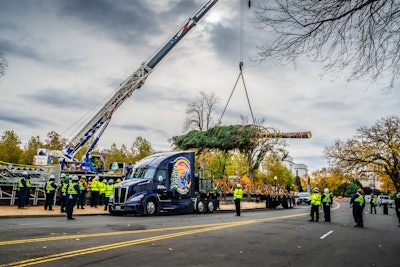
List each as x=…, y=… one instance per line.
x=120, y=195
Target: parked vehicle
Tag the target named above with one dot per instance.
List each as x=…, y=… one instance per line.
x=163, y=183
x=384, y=199
x=303, y=198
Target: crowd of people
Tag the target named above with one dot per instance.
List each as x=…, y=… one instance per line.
x=357, y=203
x=72, y=191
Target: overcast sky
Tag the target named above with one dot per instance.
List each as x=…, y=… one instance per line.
x=68, y=57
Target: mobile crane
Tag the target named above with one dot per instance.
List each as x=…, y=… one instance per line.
x=94, y=129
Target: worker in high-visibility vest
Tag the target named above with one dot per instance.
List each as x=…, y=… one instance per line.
x=327, y=200
x=50, y=188
x=315, y=199
x=373, y=204
x=63, y=193
x=73, y=192
x=237, y=196
x=357, y=202
x=102, y=191
x=109, y=191
x=22, y=189
x=94, y=191
x=82, y=197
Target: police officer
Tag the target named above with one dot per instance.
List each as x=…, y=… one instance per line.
x=373, y=204
x=73, y=192
x=82, y=197
x=63, y=193
x=357, y=203
x=50, y=188
x=237, y=196
x=326, y=199
x=94, y=191
x=315, y=203
x=22, y=189
x=109, y=191
x=102, y=191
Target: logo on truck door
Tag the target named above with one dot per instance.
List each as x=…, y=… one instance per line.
x=181, y=176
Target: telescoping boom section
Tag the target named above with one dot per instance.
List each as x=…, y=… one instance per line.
x=100, y=121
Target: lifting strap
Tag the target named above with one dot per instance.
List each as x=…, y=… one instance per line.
x=240, y=65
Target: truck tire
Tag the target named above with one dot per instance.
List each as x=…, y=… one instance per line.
x=200, y=207
x=210, y=206
x=151, y=207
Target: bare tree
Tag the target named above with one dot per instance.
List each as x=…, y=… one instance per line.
x=375, y=149
x=199, y=112
x=359, y=35
x=3, y=64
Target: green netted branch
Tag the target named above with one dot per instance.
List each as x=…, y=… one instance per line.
x=242, y=137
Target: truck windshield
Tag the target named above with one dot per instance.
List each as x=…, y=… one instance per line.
x=143, y=173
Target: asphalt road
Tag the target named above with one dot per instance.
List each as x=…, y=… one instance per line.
x=257, y=238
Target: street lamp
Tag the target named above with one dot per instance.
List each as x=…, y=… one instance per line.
x=275, y=178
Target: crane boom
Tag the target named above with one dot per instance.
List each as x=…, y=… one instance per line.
x=100, y=121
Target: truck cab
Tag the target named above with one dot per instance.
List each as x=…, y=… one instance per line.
x=161, y=183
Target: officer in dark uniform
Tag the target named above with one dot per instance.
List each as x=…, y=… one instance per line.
x=357, y=203
x=327, y=200
x=73, y=192
x=50, y=188
x=22, y=189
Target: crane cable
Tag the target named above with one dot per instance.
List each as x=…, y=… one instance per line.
x=240, y=65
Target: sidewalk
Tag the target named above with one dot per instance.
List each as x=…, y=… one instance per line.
x=38, y=211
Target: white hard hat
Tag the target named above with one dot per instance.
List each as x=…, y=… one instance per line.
x=110, y=181
x=62, y=175
x=52, y=177
x=238, y=185
x=326, y=190
x=316, y=190
x=75, y=178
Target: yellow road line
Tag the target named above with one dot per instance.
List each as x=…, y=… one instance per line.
x=203, y=228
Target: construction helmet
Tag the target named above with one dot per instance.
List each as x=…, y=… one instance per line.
x=316, y=190
x=26, y=174
x=62, y=175
x=111, y=181
x=238, y=186
x=360, y=191
x=52, y=177
x=326, y=190
x=75, y=178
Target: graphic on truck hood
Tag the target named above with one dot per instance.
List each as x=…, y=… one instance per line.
x=181, y=177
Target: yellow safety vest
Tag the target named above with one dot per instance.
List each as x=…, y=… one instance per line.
x=238, y=193
x=64, y=187
x=82, y=185
x=20, y=184
x=109, y=190
x=28, y=182
x=327, y=197
x=315, y=199
x=95, y=185
x=49, y=187
x=71, y=189
x=359, y=199
x=102, y=187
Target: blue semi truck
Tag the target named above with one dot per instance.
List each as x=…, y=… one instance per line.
x=164, y=183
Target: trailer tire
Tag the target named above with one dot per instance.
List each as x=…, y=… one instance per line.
x=200, y=207
x=151, y=207
x=210, y=206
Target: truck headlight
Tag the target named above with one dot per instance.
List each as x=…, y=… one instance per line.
x=137, y=198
